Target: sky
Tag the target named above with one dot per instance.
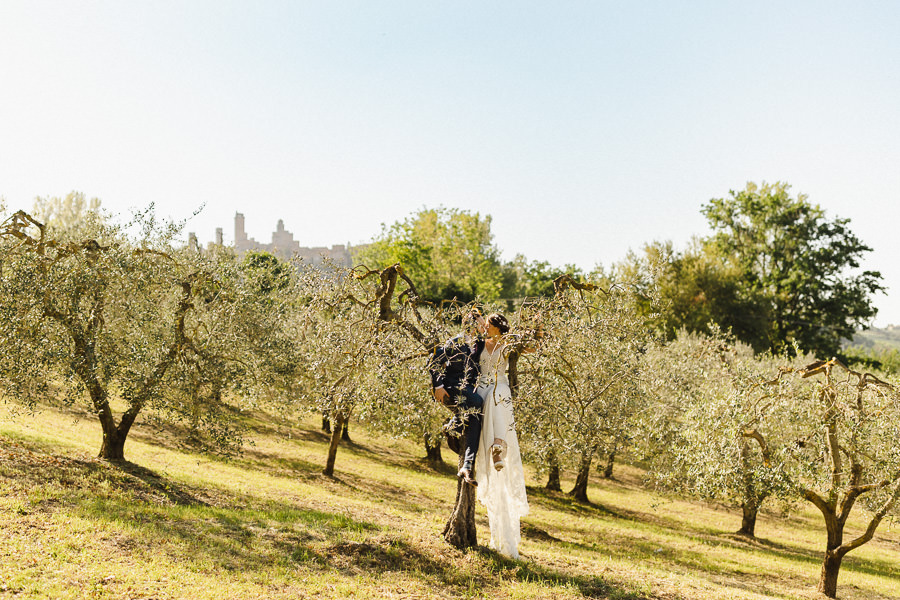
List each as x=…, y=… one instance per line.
x=583, y=128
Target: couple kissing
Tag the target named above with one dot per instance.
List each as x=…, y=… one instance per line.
x=469, y=375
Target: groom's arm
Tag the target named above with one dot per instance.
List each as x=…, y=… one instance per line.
x=437, y=367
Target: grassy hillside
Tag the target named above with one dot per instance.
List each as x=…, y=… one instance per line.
x=175, y=524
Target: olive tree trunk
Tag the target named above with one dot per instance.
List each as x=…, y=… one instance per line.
x=345, y=433
x=754, y=493
x=553, y=483
x=749, y=511
x=610, y=461
x=835, y=514
x=339, y=421
x=579, y=492
x=460, y=528
x=831, y=566
x=113, y=445
x=433, y=449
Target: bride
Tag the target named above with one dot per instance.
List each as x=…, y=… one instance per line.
x=499, y=472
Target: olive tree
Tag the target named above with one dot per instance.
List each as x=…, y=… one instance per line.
x=703, y=404
x=336, y=337
x=737, y=427
x=843, y=451
x=367, y=341
x=366, y=344
x=580, y=393
x=138, y=319
x=826, y=435
x=402, y=404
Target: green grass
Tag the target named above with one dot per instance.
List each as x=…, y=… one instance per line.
x=175, y=524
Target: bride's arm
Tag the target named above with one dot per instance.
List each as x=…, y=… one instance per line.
x=516, y=344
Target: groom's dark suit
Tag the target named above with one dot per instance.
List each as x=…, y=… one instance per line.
x=455, y=367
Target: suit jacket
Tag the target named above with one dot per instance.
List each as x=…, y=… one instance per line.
x=456, y=364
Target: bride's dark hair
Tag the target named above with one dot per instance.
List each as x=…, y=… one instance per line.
x=498, y=321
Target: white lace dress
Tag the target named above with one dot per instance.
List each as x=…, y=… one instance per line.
x=502, y=492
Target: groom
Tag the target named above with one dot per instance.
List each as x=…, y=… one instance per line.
x=454, y=369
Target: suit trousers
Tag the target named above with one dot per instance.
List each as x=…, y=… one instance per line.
x=468, y=401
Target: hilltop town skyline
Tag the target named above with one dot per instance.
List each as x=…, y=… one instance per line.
x=283, y=244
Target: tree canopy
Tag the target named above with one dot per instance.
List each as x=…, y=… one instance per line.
x=66, y=215
x=798, y=268
x=451, y=251
x=776, y=272
x=696, y=287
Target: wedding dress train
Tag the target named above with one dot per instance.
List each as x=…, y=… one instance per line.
x=502, y=492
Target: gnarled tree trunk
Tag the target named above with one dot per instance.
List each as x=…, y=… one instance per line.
x=345, y=434
x=748, y=518
x=579, y=492
x=834, y=549
x=433, y=450
x=460, y=528
x=114, y=436
x=831, y=566
x=113, y=445
x=752, y=496
x=339, y=421
x=553, y=483
x=610, y=461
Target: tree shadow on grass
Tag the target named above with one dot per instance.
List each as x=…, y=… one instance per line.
x=589, y=586
x=29, y=465
x=177, y=437
x=646, y=545
x=272, y=463
x=645, y=536
x=429, y=467
x=203, y=526
x=851, y=562
x=649, y=541
x=178, y=494
x=134, y=508
x=238, y=539
x=399, y=497
x=385, y=555
x=251, y=539
x=534, y=532
x=561, y=501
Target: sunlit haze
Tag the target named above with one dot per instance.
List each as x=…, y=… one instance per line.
x=585, y=129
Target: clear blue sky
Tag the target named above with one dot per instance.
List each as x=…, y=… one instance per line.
x=583, y=128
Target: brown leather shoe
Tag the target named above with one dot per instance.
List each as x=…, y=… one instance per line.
x=466, y=474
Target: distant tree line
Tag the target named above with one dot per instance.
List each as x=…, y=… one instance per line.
x=776, y=272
